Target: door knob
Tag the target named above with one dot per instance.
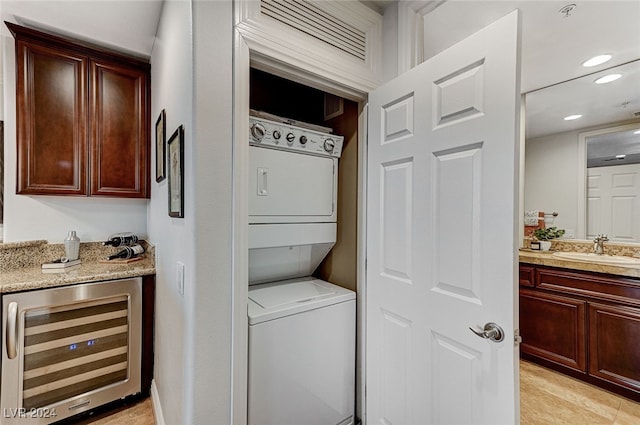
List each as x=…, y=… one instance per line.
x=491, y=331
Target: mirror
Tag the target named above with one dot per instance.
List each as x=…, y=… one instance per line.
x=569, y=163
x=1, y=178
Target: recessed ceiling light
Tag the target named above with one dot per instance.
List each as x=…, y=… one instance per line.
x=572, y=117
x=608, y=78
x=620, y=156
x=597, y=60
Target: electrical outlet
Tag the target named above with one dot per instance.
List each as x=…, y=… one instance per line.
x=180, y=277
x=569, y=234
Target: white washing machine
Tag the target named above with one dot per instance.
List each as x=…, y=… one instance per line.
x=301, y=329
x=301, y=353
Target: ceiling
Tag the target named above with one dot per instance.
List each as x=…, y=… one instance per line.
x=126, y=25
x=598, y=104
x=553, y=46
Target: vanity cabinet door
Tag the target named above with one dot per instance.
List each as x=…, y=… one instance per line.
x=614, y=344
x=51, y=102
x=119, y=130
x=527, y=275
x=553, y=327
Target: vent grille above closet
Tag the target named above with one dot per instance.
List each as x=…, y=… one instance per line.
x=318, y=23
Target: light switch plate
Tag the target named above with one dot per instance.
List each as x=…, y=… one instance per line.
x=180, y=277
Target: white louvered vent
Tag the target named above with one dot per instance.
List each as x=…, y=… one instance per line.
x=307, y=17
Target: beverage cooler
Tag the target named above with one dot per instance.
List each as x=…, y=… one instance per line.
x=68, y=350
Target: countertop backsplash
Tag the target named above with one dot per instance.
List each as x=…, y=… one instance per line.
x=611, y=248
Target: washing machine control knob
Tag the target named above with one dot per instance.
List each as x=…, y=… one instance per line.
x=258, y=131
x=277, y=134
x=329, y=145
x=303, y=140
x=290, y=138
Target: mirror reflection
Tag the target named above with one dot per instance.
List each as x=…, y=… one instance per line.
x=613, y=183
x=582, y=154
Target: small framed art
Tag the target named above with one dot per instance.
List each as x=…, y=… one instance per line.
x=161, y=147
x=176, y=173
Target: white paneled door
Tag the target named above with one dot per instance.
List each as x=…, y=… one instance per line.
x=441, y=236
x=613, y=202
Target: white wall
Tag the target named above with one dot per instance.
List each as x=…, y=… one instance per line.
x=211, y=364
x=50, y=217
x=191, y=69
x=551, y=177
x=171, y=71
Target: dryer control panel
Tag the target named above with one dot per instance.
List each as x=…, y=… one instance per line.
x=282, y=136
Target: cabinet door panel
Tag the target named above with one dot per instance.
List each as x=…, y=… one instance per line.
x=553, y=327
x=527, y=275
x=610, y=328
x=51, y=96
x=119, y=122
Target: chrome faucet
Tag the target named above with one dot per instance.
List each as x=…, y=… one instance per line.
x=598, y=244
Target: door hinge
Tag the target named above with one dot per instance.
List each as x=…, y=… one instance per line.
x=517, y=339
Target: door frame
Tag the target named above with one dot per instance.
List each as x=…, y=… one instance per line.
x=244, y=59
x=250, y=51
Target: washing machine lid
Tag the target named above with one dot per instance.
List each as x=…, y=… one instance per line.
x=274, y=300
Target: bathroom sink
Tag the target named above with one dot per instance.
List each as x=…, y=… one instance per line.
x=591, y=257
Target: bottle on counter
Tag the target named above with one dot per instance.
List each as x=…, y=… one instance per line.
x=121, y=239
x=128, y=252
x=72, y=246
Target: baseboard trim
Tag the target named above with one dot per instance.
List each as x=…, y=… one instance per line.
x=155, y=402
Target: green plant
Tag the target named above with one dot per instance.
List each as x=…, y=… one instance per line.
x=548, y=233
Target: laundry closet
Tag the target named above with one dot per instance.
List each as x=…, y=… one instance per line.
x=292, y=59
x=303, y=194
x=288, y=99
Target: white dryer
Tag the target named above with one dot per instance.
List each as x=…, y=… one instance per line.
x=301, y=329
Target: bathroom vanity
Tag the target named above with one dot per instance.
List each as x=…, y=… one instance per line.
x=582, y=319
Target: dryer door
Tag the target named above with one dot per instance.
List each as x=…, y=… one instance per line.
x=288, y=187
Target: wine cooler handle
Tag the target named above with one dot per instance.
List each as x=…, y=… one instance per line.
x=12, y=329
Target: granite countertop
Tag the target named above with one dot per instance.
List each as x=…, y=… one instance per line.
x=20, y=268
x=546, y=258
x=34, y=278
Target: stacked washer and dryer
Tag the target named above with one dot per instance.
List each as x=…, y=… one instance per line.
x=301, y=329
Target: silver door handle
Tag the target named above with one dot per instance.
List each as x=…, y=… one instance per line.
x=12, y=318
x=491, y=331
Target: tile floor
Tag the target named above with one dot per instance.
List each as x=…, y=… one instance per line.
x=546, y=398
x=550, y=398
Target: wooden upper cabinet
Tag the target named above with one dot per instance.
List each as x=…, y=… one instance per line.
x=119, y=161
x=51, y=120
x=82, y=118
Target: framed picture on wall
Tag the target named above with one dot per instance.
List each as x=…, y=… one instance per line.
x=176, y=173
x=161, y=147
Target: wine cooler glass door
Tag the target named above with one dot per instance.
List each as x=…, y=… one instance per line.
x=69, y=350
